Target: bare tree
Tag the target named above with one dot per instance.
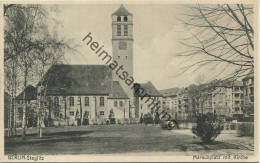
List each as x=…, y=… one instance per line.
x=52, y=52
x=29, y=41
x=11, y=84
x=201, y=94
x=221, y=35
x=20, y=40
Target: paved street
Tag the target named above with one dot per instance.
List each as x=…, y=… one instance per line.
x=121, y=139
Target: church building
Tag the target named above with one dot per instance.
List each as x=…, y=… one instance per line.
x=95, y=94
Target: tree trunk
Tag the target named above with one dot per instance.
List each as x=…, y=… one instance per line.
x=9, y=119
x=39, y=126
x=24, y=107
x=39, y=111
x=14, y=111
x=15, y=117
x=65, y=115
x=81, y=117
x=40, y=131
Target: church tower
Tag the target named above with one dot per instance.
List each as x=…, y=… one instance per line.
x=122, y=45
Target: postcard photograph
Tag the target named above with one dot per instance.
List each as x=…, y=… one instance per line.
x=129, y=81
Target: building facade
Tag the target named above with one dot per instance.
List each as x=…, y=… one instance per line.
x=248, y=83
x=222, y=101
x=237, y=99
x=147, y=99
x=83, y=94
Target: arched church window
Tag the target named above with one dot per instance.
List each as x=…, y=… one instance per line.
x=125, y=18
x=119, y=19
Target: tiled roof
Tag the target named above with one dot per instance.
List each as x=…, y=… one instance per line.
x=122, y=11
x=30, y=93
x=169, y=92
x=78, y=80
x=117, y=91
x=82, y=80
x=149, y=89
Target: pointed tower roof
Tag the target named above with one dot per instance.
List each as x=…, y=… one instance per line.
x=122, y=11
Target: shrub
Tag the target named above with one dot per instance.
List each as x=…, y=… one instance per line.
x=246, y=129
x=112, y=121
x=107, y=122
x=209, y=126
x=148, y=118
x=85, y=121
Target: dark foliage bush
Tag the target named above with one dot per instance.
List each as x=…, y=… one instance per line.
x=246, y=129
x=31, y=118
x=48, y=122
x=209, y=126
x=85, y=121
x=148, y=118
x=112, y=121
x=111, y=117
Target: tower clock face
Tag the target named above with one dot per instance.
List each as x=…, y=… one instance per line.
x=122, y=45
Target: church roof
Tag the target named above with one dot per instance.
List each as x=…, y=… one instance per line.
x=149, y=89
x=169, y=92
x=30, y=93
x=122, y=11
x=78, y=80
x=117, y=91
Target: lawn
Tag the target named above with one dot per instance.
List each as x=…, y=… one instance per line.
x=111, y=139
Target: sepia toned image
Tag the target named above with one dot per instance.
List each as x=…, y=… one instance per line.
x=129, y=81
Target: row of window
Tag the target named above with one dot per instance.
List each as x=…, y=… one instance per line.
x=122, y=57
x=119, y=30
x=119, y=19
x=249, y=91
x=21, y=101
x=72, y=113
x=120, y=103
x=86, y=103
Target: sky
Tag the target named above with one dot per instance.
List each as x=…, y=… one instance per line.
x=157, y=35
